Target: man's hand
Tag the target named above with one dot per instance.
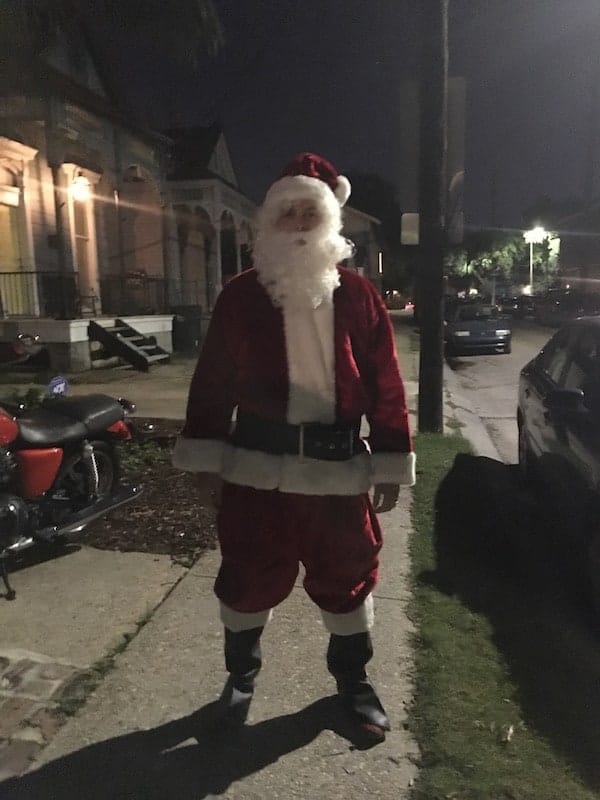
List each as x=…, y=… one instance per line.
x=210, y=485
x=385, y=496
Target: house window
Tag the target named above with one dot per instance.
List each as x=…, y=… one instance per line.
x=10, y=249
x=13, y=287
x=10, y=254
x=82, y=251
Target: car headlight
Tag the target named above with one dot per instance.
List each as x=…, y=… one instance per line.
x=461, y=333
x=503, y=332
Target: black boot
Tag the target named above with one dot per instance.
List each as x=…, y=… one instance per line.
x=243, y=662
x=347, y=657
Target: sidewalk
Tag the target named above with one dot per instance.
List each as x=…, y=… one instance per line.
x=135, y=737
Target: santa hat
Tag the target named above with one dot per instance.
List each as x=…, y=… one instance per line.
x=311, y=177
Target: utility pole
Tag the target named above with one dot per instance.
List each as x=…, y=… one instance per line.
x=433, y=103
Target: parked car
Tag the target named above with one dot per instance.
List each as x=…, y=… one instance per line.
x=395, y=300
x=472, y=328
x=559, y=306
x=558, y=419
x=508, y=304
x=524, y=306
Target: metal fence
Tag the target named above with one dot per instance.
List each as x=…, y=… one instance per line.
x=39, y=294
x=133, y=294
x=57, y=295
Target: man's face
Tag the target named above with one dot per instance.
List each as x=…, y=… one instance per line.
x=302, y=215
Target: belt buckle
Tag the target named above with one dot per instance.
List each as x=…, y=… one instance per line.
x=332, y=443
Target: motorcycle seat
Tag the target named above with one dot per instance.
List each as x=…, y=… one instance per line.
x=43, y=428
x=96, y=411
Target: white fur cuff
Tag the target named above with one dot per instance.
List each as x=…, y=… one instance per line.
x=238, y=621
x=394, y=468
x=357, y=621
x=198, y=455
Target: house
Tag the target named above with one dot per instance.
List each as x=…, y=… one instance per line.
x=365, y=231
x=81, y=209
x=107, y=230
x=211, y=219
x=104, y=225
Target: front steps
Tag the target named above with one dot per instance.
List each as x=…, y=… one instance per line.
x=121, y=341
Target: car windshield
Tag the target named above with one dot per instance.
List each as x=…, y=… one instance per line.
x=471, y=313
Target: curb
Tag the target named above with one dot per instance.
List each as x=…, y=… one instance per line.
x=472, y=427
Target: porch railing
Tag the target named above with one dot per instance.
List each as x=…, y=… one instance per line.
x=39, y=294
x=57, y=295
x=133, y=294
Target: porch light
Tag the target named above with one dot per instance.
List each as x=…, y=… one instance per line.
x=80, y=188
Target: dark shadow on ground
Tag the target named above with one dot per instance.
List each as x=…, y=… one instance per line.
x=462, y=363
x=459, y=364
x=505, y=552
x=188, y=759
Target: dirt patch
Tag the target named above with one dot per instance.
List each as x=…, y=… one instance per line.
x=168, y=517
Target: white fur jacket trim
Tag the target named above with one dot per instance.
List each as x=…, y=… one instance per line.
x=290, y=473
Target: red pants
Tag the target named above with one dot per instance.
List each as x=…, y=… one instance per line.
x=264, y=535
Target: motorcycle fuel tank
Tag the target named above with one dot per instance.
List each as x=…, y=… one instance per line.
x=9, y=430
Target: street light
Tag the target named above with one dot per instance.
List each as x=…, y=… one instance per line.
x=534, y=236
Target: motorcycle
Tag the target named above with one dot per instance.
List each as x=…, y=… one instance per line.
x=59, y=469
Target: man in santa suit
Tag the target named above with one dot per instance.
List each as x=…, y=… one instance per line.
x=298, y=351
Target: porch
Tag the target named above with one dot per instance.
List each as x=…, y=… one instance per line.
x=57, y=295
x=52, y=305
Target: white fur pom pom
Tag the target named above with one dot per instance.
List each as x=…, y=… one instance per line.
x=342, y=190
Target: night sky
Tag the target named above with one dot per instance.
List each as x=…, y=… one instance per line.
x=323, y=75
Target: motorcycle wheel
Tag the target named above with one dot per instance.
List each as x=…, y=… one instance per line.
x=108, y=468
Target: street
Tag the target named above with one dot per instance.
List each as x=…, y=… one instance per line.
x=490, y=383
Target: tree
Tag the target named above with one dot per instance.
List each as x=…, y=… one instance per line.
x=488, y=257
x=29, y=27
x=377, y=197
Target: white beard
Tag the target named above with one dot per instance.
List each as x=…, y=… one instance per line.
x=299, y=270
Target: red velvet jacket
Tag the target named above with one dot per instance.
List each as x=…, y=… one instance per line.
x=244, y=364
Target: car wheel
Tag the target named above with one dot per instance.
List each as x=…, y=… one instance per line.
x=508, y=349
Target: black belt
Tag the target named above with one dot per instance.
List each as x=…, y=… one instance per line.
x=337, y=442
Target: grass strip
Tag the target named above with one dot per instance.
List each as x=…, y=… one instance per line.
x=475, y=744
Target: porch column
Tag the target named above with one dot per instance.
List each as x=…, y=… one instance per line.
x=214, y=266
